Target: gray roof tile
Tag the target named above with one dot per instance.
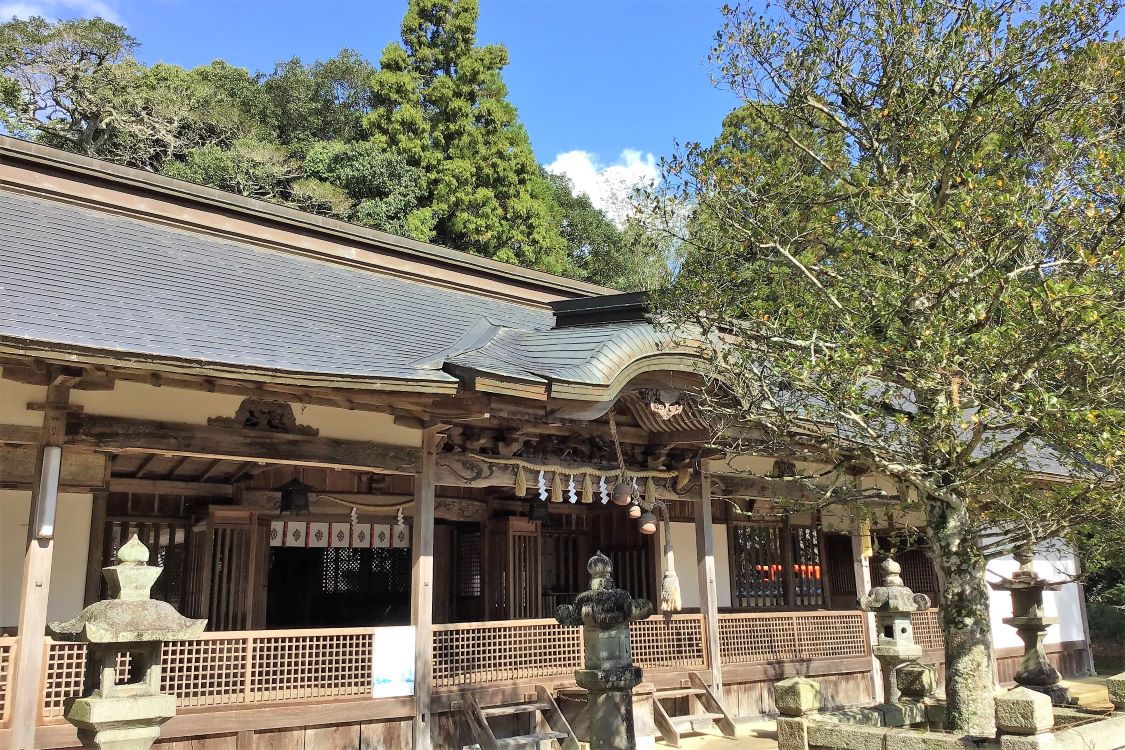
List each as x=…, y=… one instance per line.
x=83, y=278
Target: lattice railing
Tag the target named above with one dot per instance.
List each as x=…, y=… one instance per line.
x=484, y=652
x=257, y=667
x=750, y=638
x=927, y=629
x=660, y=642
x=222, y=669
x=7, y=654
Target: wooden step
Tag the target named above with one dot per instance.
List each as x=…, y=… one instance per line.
x=692, y=718
x=528, y=741
x=522, y=708
x=677, y=693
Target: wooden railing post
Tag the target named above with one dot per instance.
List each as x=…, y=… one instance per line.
x=248, y=675
x=861, y=554
x=422, y=588
x=708, y=590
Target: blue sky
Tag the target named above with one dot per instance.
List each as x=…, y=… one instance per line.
x=608, y=84
x=604, y=87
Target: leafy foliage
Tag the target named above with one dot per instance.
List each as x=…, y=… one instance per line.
x=440, y=102
x=427, y=146
x=905, y=251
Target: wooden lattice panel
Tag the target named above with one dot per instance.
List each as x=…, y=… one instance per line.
x=328, y=664
x=752, y=638
x=7, y=652
x=66, y=665
x=927, y=629
x=205, y=672
x=675, y=642
x=478, y=653
x=834, y=635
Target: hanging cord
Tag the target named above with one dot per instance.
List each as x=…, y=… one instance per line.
x=671, y=599
x=616, y=444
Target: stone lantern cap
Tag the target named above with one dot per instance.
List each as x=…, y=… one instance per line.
x=604, y=606
x=130, y=616
x=1025, y=578
x=893, y=596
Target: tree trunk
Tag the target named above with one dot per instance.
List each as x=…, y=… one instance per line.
x=969, y=686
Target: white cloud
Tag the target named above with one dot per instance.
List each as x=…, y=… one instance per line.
x=607, y=185
x=54, y=9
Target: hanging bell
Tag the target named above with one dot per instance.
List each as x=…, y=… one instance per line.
x=648, y=523
x=635, y=511
x=623, y=493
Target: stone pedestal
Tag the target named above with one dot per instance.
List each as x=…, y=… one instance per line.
x=609, y=674
x=892, y=604
x=1026, y=588
x=124, y=712
x=796, y=696
x=1116, y=687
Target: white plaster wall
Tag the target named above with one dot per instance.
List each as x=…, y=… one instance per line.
x=1065, y=604
x=683, y=546
x=68, y=569
x=14, y=398
x=357, y=425
x=169, y=404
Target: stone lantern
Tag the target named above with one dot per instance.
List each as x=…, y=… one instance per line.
x=1026, y=587
x=609, y=677
x=115, y=712
x=892, y=604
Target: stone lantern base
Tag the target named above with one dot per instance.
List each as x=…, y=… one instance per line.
x=122, y=723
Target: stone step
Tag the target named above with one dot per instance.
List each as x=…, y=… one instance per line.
x=692, y=718
x=522, y=708
x=677, y=693
x=528, y=741
x=1090, y=692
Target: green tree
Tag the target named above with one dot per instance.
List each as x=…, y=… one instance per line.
x=440, y=102
x=324, y=101
x=905, y=258
x=76, y=85
x=387, y=191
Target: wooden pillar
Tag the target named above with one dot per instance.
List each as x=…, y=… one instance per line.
x=36, y=583
x=94, y=559
x=708, y=591
x=861, y=555
x=422, y=590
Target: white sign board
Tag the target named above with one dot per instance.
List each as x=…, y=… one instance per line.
x=392, y=662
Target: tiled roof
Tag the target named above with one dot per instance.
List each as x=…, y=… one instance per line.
x=72, y=277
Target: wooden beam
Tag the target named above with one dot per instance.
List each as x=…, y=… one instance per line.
x=140, y=472
x=210, y=468
x=170, y=487
x=422, y=590
x=18, y=434
x=81, y=471
x=119, y=435
x=177, y=466
x=749, y=485
x=708, y=589
x=36, y=581
x=454, y=470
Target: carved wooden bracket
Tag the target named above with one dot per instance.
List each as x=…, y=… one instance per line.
x=264, y=416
